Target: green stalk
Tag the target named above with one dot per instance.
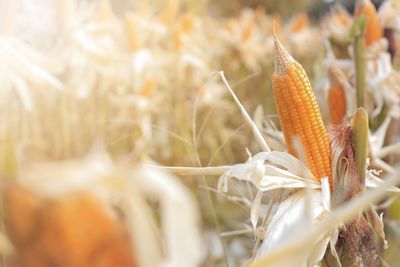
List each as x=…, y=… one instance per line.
x=360, y=142
x=358, y=32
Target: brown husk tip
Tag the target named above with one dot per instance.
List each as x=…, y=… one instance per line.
x=344, y=175
x=359, y=242
x=349, y=143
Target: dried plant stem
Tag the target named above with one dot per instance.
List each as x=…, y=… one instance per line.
x=265, y=221
x=237, y=232
x=218, y=170
x=205, y=183
x=223, y=144
x=391, y=148
x=257, y=134
x=65, y=127
x=359, y=27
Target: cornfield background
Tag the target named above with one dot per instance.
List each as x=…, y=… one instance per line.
x=199, y=133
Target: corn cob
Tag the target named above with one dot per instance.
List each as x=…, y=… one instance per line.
x=277, y=25
x=148, y=88
x=299, y=113
x=337, y=106
x=336, y=95
x=248, y=30
x=341, y=16
x=300, y=23
x=187, y=22
x=260, y=11
x=374, y=28
x=61, y=232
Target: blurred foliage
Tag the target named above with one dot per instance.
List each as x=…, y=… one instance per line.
x=394, y=210
x=284, y=8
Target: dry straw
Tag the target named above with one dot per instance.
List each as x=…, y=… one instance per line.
x=142, y=85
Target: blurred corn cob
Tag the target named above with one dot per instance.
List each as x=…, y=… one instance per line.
x=374, y=29
x=337, y=104
x=335, y=26
x=336, y=95
x=75, y=230
x=300, y=23
x=92, y=213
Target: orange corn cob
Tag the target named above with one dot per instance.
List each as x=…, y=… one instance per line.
x=231, y=25
x=336, y=103
x=336, y=95
x=19, y=204
x=260, y=11
x=184, y=25
x=374, y=29
x=277, y=26
x=341, y=16
x=70, y=238
x=300, y=23
x=77, y=230
x=299, y=113
x=248, y=30
x=187, y=22
x=148, y=88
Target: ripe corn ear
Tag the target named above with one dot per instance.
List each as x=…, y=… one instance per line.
x=336, y=103
x=336, y=95
x=341, y=16
x=300, y=23
x=299, y=113
x=374, y=28
x=148, y=88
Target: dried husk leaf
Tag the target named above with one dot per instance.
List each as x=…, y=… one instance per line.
x=292, y=217
x=293, y=252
